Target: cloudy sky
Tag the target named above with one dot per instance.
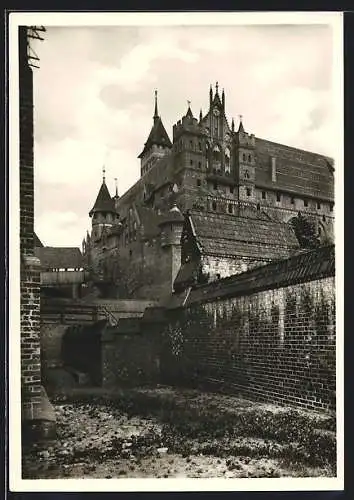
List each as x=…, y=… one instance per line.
x=94, y=101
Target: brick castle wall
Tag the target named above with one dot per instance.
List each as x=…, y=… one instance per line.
x=276, y=345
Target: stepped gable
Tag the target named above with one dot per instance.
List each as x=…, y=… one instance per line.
x=104, y=202
x=59, y=257
x=300, y=172
x=232, y=236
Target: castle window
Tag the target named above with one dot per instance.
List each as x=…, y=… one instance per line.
x=248, y=191
x=227, y=160
x=244, y=157
x=130, y=253
x=214, y=205
x=191, y=144
x=249, y=158
x=216, y=153
x=258, y=206
x=199, y=182
x=231, y=189
x=331, y=207
x=230, y=208
x=200, y=146
x=191, y=162
x=278, y=197
x=324, y=218
x=263, y=195
x=215, y=186
x=306, y=203
x=318, y=205
x=292, y=200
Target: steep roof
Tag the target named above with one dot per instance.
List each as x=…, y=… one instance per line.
x=157, y=136
x=59, y=257
x=229, y=235
x=36, y=241
x=297, y=171
x=104, y=202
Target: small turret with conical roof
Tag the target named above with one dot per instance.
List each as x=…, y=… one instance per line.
x=103, y=212
x=157, y=145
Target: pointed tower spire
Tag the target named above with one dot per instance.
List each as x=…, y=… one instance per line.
x=116, y=183
x=223, y=98
x=156, y=114
x=189, y=111
x=217, y=88
x=104, y=174
x=211, y=94
x=233, y=125
x=240, y=128
x=200, y=115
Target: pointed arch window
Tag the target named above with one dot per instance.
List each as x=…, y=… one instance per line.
x=227, y=160
x=207, y=154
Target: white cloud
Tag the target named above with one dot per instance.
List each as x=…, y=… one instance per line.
x=94, y=94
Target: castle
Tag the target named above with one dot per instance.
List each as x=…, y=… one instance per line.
x=213, y=202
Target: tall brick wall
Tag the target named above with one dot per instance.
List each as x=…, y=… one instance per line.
x=30, y=276
x=275, y=344
x=37, y=413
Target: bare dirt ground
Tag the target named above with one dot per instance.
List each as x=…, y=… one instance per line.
x=164, y=432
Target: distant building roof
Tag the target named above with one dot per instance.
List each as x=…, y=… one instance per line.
x=59, y=257
x=104, y=202
x=229, y=235
x=36, y=241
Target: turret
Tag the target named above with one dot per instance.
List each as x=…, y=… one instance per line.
x=245, y=145
x=157, y=145
x=103, y=213
x=171, y=227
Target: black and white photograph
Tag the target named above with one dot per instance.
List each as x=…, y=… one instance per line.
x=176, y=213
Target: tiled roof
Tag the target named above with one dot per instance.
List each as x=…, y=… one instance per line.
x=36, y=241
x=298, y=171
x=104, y=202
x=158, y=136
x=220, y=234
x=59, y=257
x=303, y=267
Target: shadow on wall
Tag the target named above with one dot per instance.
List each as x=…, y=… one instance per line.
x=81, y=353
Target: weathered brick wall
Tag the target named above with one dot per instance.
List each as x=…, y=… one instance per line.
x=30, y=275
x=276, y=344
x=221, y=267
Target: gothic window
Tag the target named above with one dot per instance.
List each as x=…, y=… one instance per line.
x=247, y=174
x=191, y=144
x=191, y=162
x=249, y=158
x=244, y=157
x=306, y=203
x=227, y=160
x=258, y=206
x=207, y=151
x=248, y=192
x=331, y=207
x=199, y=164
x=230, y=208
x=214, y=205
x=199, y=182
x=263, y=195
x=278, y=196
x=318, y=205
x=200, y=146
